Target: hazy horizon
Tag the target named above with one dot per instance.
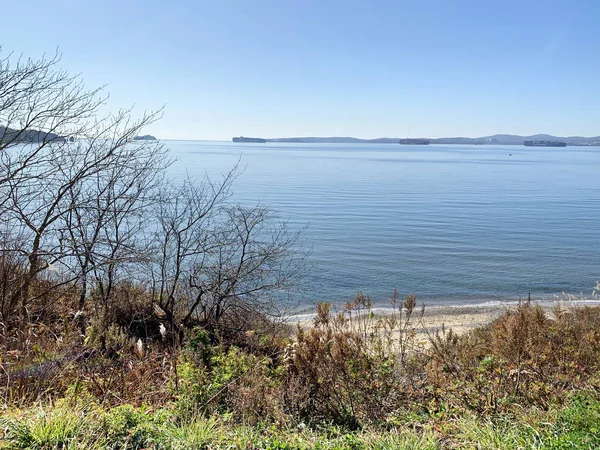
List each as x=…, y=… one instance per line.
x=278, y=69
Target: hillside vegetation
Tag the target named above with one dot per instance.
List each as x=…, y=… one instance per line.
x=353, y=380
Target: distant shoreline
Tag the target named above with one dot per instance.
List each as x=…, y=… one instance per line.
x=387, y=144
x=497, y=139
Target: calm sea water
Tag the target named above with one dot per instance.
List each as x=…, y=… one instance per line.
x=451, y=224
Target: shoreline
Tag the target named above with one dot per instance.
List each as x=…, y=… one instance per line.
x=460, y=318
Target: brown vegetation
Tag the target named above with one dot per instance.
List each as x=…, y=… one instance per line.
x=353, y=368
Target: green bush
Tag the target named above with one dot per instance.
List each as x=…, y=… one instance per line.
x=212, y=379
x=578, y=424
x=525, y=358
x=126, y=427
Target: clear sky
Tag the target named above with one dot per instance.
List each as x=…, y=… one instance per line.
x=283, y=68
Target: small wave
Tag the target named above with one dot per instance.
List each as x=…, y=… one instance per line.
x=544, y=302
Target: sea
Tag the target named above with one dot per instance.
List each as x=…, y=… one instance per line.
x=451, y=224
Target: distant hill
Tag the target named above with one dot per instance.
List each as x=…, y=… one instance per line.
x=510, y=139
x=498, y=139
x=27, y=136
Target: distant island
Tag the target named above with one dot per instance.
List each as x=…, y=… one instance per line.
x=146, y=137
x=496, y=139
x=249, y=139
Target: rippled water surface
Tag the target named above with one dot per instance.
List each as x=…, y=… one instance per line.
x=452, y=224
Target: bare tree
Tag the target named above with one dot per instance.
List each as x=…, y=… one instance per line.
x=220, y=264
x=254, y=263
x=79, y=198
x=42, y=105
x=105, y=225
x=54, y=149
x=186, y=216
x=42, y=202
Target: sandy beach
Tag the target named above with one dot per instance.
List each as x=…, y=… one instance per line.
x=463, y=318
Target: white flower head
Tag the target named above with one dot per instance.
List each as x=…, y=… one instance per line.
x=139, y=347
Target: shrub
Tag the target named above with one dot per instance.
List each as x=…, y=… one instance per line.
x=351, y=369
x=523, y=357
x=213, y=379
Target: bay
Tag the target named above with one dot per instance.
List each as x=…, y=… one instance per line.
x=452, y=224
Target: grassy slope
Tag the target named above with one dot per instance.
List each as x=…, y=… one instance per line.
x=577, y=425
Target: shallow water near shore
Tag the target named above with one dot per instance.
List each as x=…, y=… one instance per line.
x=452, y=224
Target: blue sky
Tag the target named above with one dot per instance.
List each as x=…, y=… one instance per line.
x=274, y=68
